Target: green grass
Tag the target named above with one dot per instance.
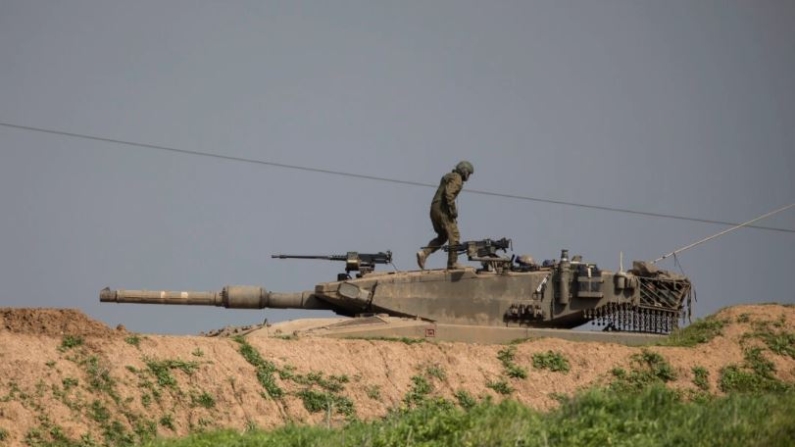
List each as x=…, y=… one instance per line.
x=134, y=340
x=265, y=368
x=167, y=421
x=332, y=383
x=203, y=399
x=500, y=386
x=373, y=392
x=512, y=370
x=778, y=341
x=161, y=369
x=655, y=417
x=648, y=368
x=99, y=378
x=701, y=331
x=436, y=372
x=317, y=401
x=755, y=375
x=465, y=400
x=420, y=389
x=701, y=378
x=551, y=360
x=69, y=342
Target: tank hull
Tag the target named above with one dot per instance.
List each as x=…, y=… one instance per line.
x=499, y=301
x=386, y=327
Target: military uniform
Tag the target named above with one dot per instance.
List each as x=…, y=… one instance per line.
x=444, y=214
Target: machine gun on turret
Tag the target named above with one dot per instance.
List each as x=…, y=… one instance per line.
x=363, y=263
x=485, y=252
x=482, y=250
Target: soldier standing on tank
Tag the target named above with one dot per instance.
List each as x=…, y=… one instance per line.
x=444, y=214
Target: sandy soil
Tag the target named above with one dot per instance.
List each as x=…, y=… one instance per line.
x=48, y=386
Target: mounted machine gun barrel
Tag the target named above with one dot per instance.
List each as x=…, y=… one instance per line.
x=354, y=261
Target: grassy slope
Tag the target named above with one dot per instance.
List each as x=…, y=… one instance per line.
x=636, y=409
x=655, y=416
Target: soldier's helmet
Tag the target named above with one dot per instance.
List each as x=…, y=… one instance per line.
x=465, y=168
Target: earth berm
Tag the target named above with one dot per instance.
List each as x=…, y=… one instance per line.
x=66, y=376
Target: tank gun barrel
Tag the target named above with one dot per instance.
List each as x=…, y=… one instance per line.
x=231, y=297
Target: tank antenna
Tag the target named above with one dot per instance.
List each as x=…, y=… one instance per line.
x=723, y=232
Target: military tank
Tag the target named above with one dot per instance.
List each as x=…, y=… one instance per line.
x=499, y=299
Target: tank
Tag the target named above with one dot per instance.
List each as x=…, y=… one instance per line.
x=500, y=298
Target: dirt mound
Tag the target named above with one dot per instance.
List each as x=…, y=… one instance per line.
x=52, y=322
x=137, y=386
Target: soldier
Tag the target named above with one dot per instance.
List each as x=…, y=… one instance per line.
x=444, y=215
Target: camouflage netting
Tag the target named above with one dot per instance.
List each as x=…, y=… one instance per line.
x=647, y=269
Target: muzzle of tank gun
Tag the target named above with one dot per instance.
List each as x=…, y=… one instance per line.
x=231, y=297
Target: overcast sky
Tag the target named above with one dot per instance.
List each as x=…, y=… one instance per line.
x=672, y=107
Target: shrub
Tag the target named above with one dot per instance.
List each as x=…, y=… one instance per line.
x=134, y=340
x=500, y=386
x=701, y=377
x=465, y=400
x=551, y=360
x=70, y=341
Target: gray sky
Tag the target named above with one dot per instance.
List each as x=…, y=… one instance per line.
x=674, y=107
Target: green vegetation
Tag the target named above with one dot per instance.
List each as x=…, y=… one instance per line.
x=779, y=341
x=69, y=342
x=648, y=369
x=373, y=392
x=98, y=376
x=316, y=401
x=333, y=383
x=419, y=391
x=265, y=368
x=500, y=386
x=782, y=343
x=701, y=378
x=167, y=421
x=506, y=356
x=134, y=340
x=3, y=434
x=465, y=400
x=326, y=398
x=436, y=372
x=197, y=352
x=161, y=369
x=701, y=331
x=595, y=417
x=551, y=360
x=203, y=399
x=754, y=376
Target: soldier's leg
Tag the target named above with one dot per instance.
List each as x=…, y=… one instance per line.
x=455, y=239
x=436, y=243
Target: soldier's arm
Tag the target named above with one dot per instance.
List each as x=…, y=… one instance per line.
x=451, y=191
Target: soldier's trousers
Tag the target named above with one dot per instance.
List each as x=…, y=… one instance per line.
x=446, y=230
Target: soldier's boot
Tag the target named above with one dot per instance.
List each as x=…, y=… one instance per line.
x=422, y=255
x=452, y=261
